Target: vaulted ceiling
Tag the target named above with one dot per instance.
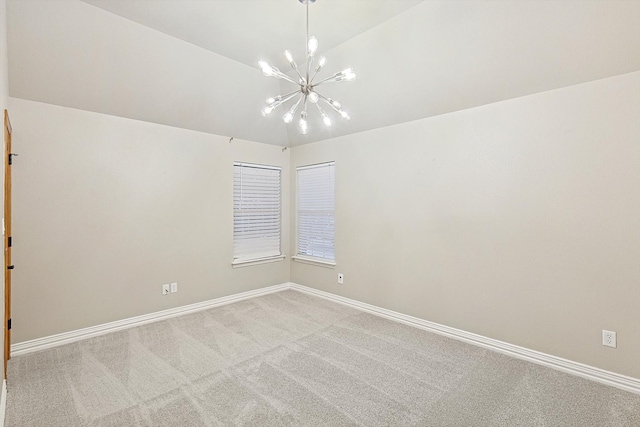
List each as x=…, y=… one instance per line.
x=193, y=64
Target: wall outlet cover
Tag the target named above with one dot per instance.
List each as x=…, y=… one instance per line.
x=174, y=287
x=609, y=339
x=165, y=289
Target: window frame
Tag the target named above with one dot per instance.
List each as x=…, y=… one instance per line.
x=243, y=261
x=304, y=258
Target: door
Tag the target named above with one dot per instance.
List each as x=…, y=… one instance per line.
x=7, y=240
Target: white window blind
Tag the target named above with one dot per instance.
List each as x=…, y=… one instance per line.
x=256, y=212
x=315, y=209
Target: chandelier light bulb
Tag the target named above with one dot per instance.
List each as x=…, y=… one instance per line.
x=312, y=45
x=288, y=55
x=349, y=74
x=325, y=118
x=266, y=111
x=267, y=69
x=345, y=115
x=321, y=62
x=313, y=97
x=270, y=101
x=288, y=116
x=304, y=128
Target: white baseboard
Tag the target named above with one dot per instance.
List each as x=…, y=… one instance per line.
x=80, y=334
x=585, y=371
x=3, y=402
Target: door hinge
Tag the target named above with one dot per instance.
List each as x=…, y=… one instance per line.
x=9, y=324
x=10, y=267
x=11, y=155
x=9, y=241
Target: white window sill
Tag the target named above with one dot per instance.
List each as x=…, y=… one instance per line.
x=314, y=261
x=257, y=261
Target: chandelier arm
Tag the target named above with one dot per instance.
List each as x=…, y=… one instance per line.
x=325, y=117
x=329, y=103
x=280, y=97
x=322, y=112
x=329, y=79
x=298, y=72
x=324, y=98
x=314, y=75
x=295, y=106
x=290, y=94
x=285, y=98
x=281, y=75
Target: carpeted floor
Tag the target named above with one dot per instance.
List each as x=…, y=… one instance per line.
x=291, y=359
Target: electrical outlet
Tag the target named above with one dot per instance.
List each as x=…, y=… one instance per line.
x=174, y=287
x=341, y=278
x=609, y=339
x=165, y=289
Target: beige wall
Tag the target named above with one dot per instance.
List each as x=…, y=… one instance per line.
x=107, y=209
x=4, y=101
x=518, y=220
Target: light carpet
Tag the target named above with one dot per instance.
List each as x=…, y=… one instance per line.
x=291, y=359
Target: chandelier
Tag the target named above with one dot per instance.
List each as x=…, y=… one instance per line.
x=306, y=92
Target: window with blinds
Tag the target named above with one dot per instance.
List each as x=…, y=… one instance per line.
x=256, y=212
x=315, y=211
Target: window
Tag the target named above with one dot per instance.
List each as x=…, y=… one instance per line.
x=315, y=212
x=256, y=212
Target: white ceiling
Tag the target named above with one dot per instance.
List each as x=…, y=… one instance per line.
x=245, y=30
x=192, y=64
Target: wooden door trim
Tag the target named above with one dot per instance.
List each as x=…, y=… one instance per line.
x=7, y=233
